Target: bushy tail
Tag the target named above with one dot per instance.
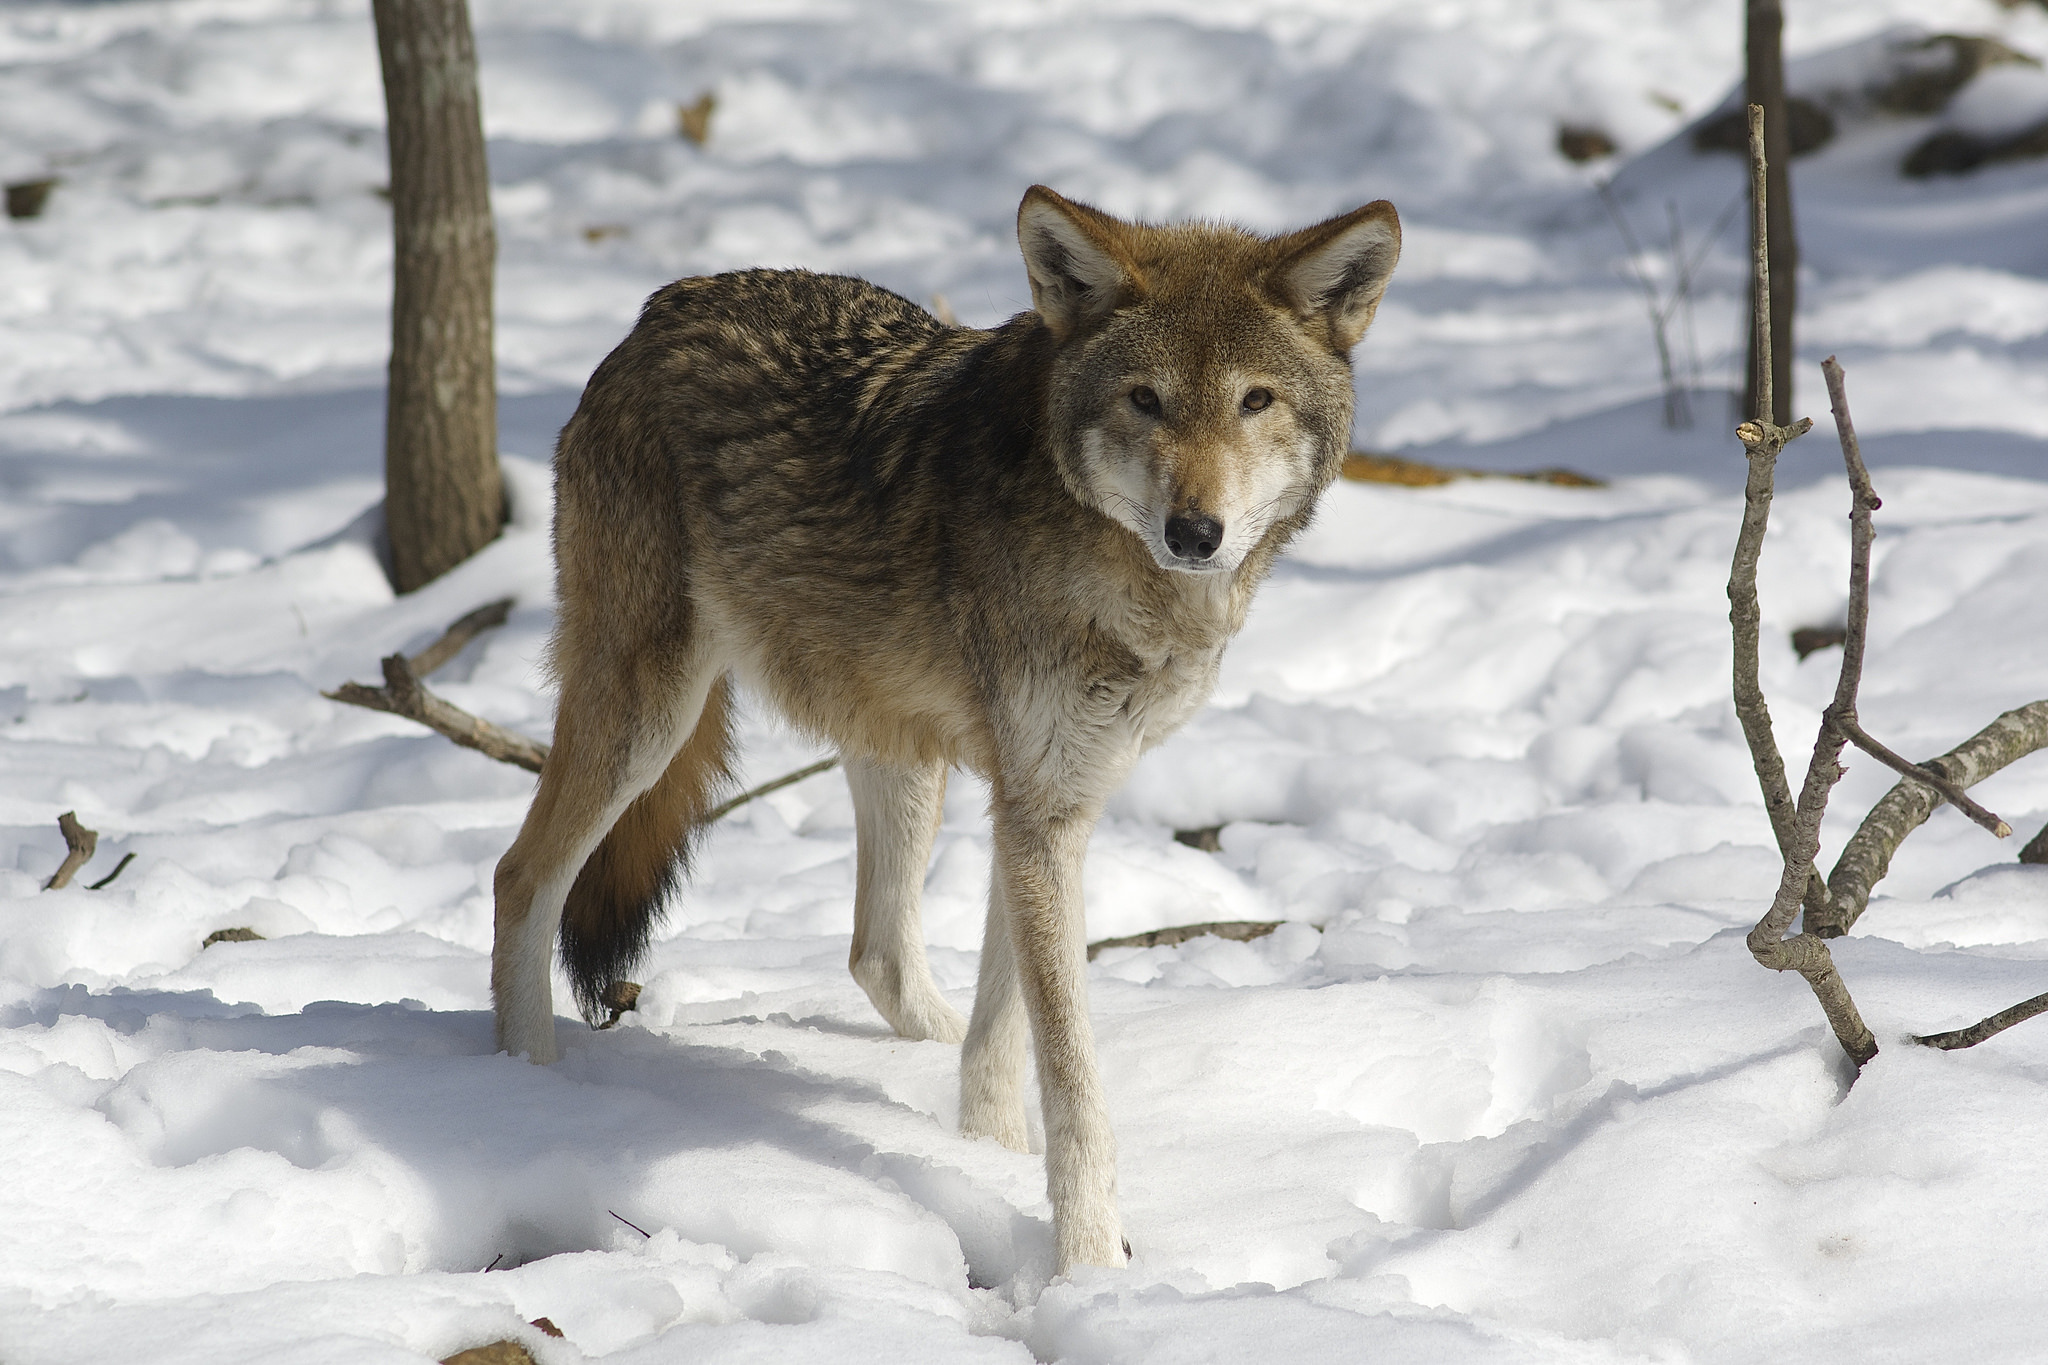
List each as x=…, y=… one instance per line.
x=618, y=897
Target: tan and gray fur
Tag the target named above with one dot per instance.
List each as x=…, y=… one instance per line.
x=1018, y=551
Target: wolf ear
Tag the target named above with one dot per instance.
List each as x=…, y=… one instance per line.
x=1073, y=253
x=1337, y=270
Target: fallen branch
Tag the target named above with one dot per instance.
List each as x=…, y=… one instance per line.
x=1238, y=930
x=403, y=694
x=79, y=844
x=1371, y=466
x=1985, y=1028
x=1907, y=806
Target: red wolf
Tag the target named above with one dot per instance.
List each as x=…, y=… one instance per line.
x=1017, y=551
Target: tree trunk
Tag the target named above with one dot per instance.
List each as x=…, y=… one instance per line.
x=1766, y=86
x=443, y=496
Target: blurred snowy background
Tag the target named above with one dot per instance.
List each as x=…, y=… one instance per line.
x=1504, y=1086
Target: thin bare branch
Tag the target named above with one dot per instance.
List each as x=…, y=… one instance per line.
x=1240, y=930
x=486, y=617
x=1762, y=441
x=1950, y=792
x=1797, y=826
x=1807, y=953
x=1907, y=806
x=1985, y=1028
x=1760, y=258
x=79, y=845
x=725, y=808
x=1677, y=407
x=119, y=868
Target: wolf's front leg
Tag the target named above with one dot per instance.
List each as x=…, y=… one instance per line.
x=896, y=815
x=1038, y=862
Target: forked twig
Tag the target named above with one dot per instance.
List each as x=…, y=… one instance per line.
x=1919, y=772
x=1797, y=828
x=403, y=694
x=1842, y=716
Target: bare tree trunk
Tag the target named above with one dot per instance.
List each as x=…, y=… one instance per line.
x=1766, y=86
x=443, y=497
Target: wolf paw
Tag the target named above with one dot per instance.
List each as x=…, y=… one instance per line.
x=1084, y=1241
x=932, y=1019
x=913, y=1007
x=1005, y=1125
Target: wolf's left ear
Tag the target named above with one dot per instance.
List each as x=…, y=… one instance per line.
x=1075, y=257
x=1338, y=269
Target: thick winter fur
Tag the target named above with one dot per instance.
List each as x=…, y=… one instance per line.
x=1018, y=551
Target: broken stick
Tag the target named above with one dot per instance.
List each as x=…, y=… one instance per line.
x=79, y=843
x=403, y=694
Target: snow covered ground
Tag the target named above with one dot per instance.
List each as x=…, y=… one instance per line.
x=1505, y=1086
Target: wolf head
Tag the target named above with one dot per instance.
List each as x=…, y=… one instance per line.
x=1201, y=389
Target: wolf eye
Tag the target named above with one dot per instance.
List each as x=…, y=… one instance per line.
x=1258, y=400
x=1145, y=401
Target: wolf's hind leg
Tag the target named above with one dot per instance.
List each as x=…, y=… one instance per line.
x=992, y=1062
x=896, y=815
x=614, y=738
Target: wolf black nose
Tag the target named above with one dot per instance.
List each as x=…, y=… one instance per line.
x=1193, y=537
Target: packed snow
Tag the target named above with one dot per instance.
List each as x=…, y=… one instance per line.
x=1505, y=1085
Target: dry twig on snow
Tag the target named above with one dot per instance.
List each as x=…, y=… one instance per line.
x=119, y=868
x=725, y=808
x=79, y=844
x=1240, y=930
x=1985, y=1028
x=466, y=628
x=403, y=694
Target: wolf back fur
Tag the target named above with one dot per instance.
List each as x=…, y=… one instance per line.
x=1018, y=551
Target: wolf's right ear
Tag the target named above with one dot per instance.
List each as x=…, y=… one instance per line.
x=1337, y=270
x=1073, y=253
